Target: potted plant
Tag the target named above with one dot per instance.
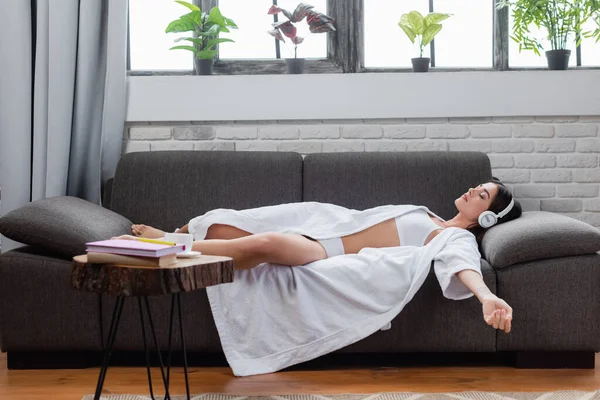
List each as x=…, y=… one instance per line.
x=415, y=25
x=561, y=19
x=317, y=23
x=205, y=28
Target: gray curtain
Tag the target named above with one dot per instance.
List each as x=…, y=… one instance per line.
x=62, y=98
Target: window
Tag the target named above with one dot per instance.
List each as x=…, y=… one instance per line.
x=466, y=38
x=148, y=43
x=590, y=50
x=386, y=44
x=527, y=58
x=252, y=40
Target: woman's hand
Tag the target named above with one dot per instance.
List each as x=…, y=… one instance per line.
x=497, y=313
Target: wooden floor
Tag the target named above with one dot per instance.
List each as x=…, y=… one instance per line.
x=73, y=384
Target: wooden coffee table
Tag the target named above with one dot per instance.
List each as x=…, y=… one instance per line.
x=124, y=281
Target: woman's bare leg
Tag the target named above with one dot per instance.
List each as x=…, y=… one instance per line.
x=271, y=247
x=217, y=231
x=249, y=250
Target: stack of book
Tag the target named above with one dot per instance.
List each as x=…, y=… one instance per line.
x=142, y=252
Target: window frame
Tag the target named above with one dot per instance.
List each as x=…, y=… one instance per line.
x=345, y=48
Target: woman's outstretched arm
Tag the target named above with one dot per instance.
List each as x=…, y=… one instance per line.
x=496, y=312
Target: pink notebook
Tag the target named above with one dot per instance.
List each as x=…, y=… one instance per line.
x=133, y=248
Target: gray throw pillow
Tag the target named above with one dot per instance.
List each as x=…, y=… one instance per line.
x=537, y=235
x=62, y=224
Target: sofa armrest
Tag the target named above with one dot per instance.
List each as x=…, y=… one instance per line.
x=538, y=235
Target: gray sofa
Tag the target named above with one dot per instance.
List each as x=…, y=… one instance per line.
x=545, y=265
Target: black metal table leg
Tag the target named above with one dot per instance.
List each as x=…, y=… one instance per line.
x=162, y=370
x=176, y=297
x=170, y=338
x=107, y=351
x=112, y=333
x=146, y=350
x=181, y=332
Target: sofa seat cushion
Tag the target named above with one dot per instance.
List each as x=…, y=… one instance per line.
x=538, y=235
x=62, y=224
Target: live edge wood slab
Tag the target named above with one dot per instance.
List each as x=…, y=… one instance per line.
x=186, y=275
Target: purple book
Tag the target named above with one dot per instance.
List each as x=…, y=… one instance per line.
x=133, y=248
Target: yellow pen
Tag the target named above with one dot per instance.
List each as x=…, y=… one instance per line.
x=156, y=241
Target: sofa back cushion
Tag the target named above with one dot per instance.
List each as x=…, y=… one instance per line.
x=166, y=189
x=364, y=180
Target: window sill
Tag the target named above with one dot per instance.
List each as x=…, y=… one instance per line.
x=277, y=67
x=366, y=95
x=251, y=67
x=462, y=69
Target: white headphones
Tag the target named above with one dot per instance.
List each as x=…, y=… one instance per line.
x=487, y=219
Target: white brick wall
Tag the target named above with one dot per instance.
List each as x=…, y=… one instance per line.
x=551, y=163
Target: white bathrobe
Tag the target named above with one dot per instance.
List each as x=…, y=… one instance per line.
x=273, y=316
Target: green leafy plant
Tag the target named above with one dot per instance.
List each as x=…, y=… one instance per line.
x=562, y=20
x=596, y=32
x=205, y=28
x=415, y=25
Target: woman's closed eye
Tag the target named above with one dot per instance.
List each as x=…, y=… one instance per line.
x=482, y=194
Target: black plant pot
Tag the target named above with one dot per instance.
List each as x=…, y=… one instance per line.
x=204, y=66
x=294, y=65
x=558, y=59
x=420, y=64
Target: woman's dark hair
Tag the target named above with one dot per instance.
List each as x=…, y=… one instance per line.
x=500, y=202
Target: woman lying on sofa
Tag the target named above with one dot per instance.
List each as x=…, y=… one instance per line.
x=350, y=272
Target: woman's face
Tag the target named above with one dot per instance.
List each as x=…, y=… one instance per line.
x=476, y=200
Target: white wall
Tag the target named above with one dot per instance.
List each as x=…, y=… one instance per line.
x=364, y=96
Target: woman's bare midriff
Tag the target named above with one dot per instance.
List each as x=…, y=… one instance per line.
x=384, y=234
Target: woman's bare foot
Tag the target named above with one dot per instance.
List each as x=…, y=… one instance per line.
x=124, y=237
x=146, y=231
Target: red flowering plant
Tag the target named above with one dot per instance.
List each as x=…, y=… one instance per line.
x=317, y=23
